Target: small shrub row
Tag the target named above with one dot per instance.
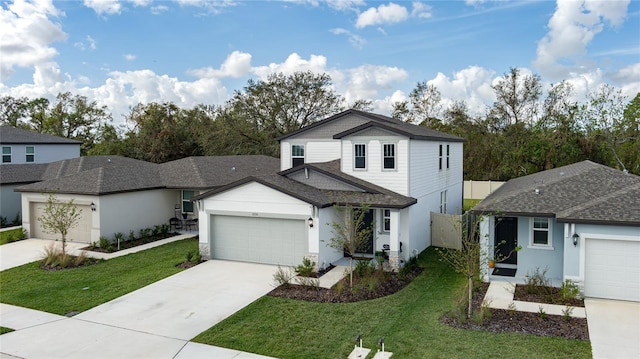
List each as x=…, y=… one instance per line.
x=121, y=241
x=13, y=235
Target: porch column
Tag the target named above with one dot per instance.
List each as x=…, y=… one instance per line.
x=394, y=240
x=204, y=236
x=486, y=247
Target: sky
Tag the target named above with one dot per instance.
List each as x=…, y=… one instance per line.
x=123, y=52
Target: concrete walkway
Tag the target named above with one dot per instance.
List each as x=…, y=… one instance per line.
x=153, y=322
x=614, y=328
x=500, y=296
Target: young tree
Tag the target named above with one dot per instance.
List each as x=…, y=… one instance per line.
x=60, y=218
x=350, y=232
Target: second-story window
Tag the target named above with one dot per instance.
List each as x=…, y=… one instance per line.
x=389, y=156
x=440, y=158
x=360, y=155
x=447, y=156
x=297, y=155
x=6, y=154
x=31, y=154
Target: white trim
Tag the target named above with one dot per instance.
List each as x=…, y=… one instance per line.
x=549, y=245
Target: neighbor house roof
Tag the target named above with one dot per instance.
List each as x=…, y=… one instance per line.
x=584, y=192
x=11, y=135
x=371, y=195
x=215, y=171
x=381, y=121
x=99, y=175
x=22, y=173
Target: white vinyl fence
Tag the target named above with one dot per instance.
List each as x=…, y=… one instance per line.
x=446, y=230
x=480, y=189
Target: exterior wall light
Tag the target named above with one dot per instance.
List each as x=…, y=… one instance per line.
x=310, y=221
x=575, y=238
x=93, y=207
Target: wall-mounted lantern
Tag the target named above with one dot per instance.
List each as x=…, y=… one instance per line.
x=93, y=207
x=310, y=221
x=575, y=238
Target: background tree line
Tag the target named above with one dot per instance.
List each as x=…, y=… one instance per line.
x=524, y=131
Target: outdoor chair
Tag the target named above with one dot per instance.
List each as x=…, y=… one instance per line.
x=175, y=223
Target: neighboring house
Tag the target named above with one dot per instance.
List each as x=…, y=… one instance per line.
x=23, y=152
x=402, y=172
x=579, y=222
x=119, y=194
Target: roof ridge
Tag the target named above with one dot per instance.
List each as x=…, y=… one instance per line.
x=597, y=200
x=192, y=162
x=100, y=181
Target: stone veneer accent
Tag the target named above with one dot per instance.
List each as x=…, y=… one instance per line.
x=204, y=251
x=395, y=261
x=314, y=259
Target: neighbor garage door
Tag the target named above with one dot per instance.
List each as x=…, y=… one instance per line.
x=81, y=233
x=259, y=240
x=612, y=269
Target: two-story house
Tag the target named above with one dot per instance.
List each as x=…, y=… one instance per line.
x=400, y=171
x=24, y=154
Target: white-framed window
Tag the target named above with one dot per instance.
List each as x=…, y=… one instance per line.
x=386, y=220
x=187, y=205
x=30, y=154
x=541, y=232
x=440, y=158
x=389, y=156
x=297, y=155
x=448, y=156
x=6, y=154
x=443, y=201
x=360, y=156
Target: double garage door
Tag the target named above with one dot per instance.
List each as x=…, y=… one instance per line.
x=612, y=269
x=258, y=240
x=81, y=233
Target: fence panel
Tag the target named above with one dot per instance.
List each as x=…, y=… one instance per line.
x=480, y=189
x=446, y=230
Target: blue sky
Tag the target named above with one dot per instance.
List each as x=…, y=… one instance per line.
x=119, y=53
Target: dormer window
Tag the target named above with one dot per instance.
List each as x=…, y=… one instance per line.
x=297, y=155
x=360, y=156
x=389, y=156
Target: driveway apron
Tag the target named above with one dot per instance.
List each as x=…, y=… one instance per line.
x=153, y=322
x=614, y=328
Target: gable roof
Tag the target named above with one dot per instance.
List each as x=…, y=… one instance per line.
x=101, y=175
x=381, y=121
x=11, y=135
x=584, y=192
x=372, y=195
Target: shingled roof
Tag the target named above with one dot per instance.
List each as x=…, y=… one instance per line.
x=584, y=192
x=370, y=194
x=100, y=175
x=11, y=135
x=381, y=121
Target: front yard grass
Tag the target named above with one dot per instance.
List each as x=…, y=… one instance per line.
x=408, y=320
x=11, y=235
x=5, y=330
x=79, y=289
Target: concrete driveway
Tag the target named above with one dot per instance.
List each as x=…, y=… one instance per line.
x=153, y=322
x=614, y=328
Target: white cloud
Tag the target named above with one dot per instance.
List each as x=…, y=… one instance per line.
x=293, y=63
x=384, y=14
x=366, y=81
x=571, y=28
x=237, y=64
x=129, y=57
x=345, y=4
x=159, y=9
x=104, y=7
x=141, y=3
x=355, y=40
x=473, y=85
x=629, y=79
x=421, y=10
x=212, y=7
x=27, y=33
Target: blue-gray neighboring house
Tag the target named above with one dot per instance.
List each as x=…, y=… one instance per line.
x=579, y=222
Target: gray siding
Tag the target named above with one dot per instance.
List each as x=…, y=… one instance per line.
x=331, y=128
x=11, y=202
x=43, y=153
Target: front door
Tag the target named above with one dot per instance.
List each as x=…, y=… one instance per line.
x=506, y=240
x=367, y=245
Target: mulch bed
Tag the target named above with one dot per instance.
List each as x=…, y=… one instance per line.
x=394, y=283
x=548, y=295
x=503, y=320
x=130, y=244
x=87, y=262
x=187, y=265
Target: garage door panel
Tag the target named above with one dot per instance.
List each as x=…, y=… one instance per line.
x=81, y=233
x=612, y=269
x=260, y=240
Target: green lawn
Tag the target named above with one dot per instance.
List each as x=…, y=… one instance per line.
x=79, y=289
x=467, y=204
x=408, y=320
x=11, y=236
x=5, y=330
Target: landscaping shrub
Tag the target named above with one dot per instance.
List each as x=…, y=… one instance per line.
x=306, y=268
x=193, y=256
x=104, y=242
x=308, y=282
x=283, y=276
x=537, y=282
x=569, y=290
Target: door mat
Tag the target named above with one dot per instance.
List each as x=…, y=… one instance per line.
x=505, y=272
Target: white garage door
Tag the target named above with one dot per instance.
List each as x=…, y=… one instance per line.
x=81, y=233
x=612, y=269
x=259, y=240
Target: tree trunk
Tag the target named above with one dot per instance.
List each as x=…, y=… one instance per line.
x=470, y=296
